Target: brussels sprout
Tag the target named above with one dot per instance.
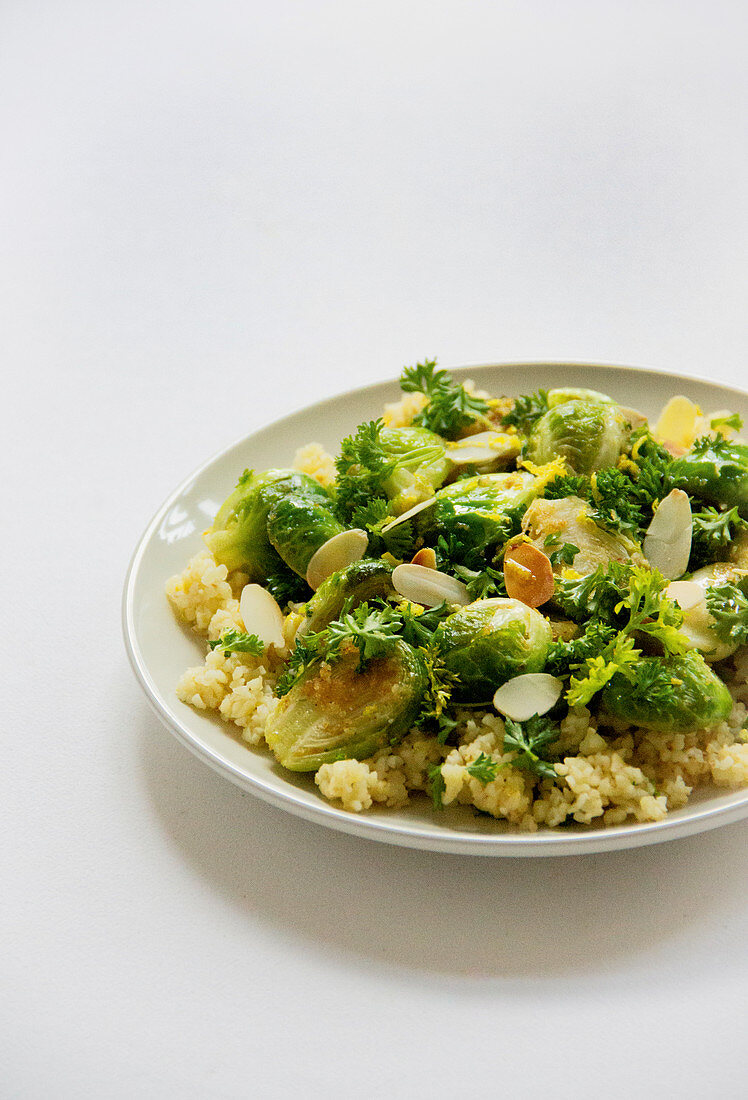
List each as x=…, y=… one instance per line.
x=482, y=510
x=669, y=695
x=698, y=623
x=570, y=393
x=238, y=538
x=297, y=526
x=552, y=523
x=715, y=471
x=586, y=434
x=364, y=580
x=335, y=712
x=421, y=465
x=489, y=642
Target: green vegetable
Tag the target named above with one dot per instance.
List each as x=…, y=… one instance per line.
x=526, y=411
x=236, y=641
x=297, y=526
x=569, y=393
x=715, y=471
x=238, y=538
x=451, y=408
x=728, y=607
x=484, y=769
x=713, y=534
x=571, y=520
x=669, y=695
x=437, y=786
x=287, y=587
x=399, y=465
x=489, y=642
x=339, y=711
x=477, y=513
x=586, y=434
x=529, y=740
x=364, y=580
x=733, y=421
x=565, y=656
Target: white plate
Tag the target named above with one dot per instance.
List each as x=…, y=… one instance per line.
x=160, y=649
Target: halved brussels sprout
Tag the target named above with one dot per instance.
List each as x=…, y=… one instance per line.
x=551, y=523
x=699, y=698
x=489, y=642
x=588, y=435
x=715, y=471
x=570, y=393
x=335, y=712
x=297, y=526
x=238, y=538
x=479, y=509
x=364, y=580
x=698, y=623
x=421, y=465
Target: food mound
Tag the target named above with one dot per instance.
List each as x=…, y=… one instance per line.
x=535, y=606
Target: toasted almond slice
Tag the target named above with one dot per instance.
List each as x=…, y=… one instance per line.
x=528, y=574
x=429, y=587
x=667, y=543
x=335, y=554
x=409, y=514
x=529, y=694
x=687, y=594
x=425, y=557
x=261, y=615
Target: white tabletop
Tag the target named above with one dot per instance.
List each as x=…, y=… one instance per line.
x=215, y=213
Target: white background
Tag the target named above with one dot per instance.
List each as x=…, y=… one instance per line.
x=212, y=214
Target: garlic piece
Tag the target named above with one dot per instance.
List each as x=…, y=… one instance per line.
x=337, y=553
x=261, y=615
x=667, y=543
x=429, y=587
x=532, y=693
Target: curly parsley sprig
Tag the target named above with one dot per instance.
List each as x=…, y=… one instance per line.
x=451, y=408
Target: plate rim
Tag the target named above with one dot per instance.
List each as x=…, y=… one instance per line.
x=373, y=827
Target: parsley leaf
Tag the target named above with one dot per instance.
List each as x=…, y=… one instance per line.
x=526, y=411
x=236, y=641
x=363, y=466
x=372, y=630
x=528, y=740
x=614, y=496
x=437, y=786
x=735, y=421
x=713, y=531
x=451, y=408
x=728, y=607
x=567, y=485
x=565, y=656
x=483, y=768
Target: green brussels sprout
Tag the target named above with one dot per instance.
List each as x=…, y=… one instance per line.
x=491, y=641
x=481, y=511
x=336, y=712
x=669, y=695
x=552, y=523
x=588, y=435
x=297, y=526
x=421, y=465
x=362, y=581
x=238, y=538
x=571, y=393
x=716, y=471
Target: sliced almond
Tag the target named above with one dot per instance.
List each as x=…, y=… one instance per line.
x=429, y=587
x=425, y=557
x=687, y=594
x=409, y=514
x=337, y=553
x=261, y=615
x=528, y=574
x=667, y=544
x=529, y=694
